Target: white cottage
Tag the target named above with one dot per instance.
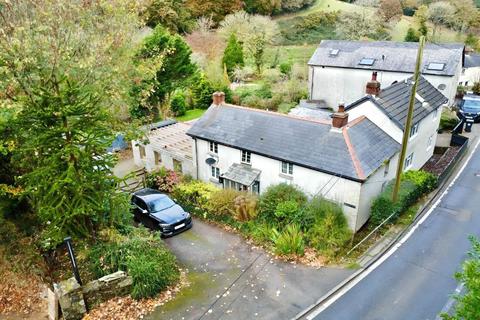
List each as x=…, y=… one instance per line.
x=339, y=69
x=347, y=159
x=471, y=70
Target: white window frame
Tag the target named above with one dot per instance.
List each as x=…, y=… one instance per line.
x=286, y=168
x=414, y=130
x=430, y=142
x=386, y=170
x=408, y=162
x=213, y=147
x=215, y=172
x=246, y=156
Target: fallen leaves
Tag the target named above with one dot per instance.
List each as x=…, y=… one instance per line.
x=127, y=308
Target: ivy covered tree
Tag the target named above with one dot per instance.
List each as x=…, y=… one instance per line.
x=172, y=14
x=172, y=57
x=411, y=36
x=233, y=55
x=63, y=67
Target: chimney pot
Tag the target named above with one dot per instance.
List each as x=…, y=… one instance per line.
x=218, y=98
x=373, y=86
x=340, y=118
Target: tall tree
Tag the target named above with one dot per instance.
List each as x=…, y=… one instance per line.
x=254, y=31
x=233, y=55
x=171, y=14
x=64, y=65
x=440, y=13
x=216, y=9
x=390, y=10
x=175, y=68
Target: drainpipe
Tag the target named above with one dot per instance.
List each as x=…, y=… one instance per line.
x=196, y=157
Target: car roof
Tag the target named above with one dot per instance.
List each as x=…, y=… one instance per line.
x=471, y=97
x=148, y=193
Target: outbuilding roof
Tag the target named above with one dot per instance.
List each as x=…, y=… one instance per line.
x=438, y=59
x=353, y=152
x=394, y=100
x=472, y=60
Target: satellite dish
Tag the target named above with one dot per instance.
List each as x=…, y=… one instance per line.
x=210, y=161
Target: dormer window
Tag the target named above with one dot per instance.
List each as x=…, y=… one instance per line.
x=435, y=66
x=367, y=62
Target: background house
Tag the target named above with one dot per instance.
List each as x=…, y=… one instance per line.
x=166, y=145
x=471, y=70
x=338, y=70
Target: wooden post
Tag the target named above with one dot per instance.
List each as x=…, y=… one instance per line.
x=408, y=124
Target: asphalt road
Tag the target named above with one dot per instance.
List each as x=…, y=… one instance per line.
x=416, y=281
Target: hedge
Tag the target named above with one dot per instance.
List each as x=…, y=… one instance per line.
x=414, y=185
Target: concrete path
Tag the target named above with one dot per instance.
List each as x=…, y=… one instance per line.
x=232, y=280
x=416, y=280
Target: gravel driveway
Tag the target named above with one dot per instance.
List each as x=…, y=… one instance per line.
x=231, y=280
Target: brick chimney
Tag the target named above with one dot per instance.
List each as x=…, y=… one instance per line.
x=373, y=86
x=218, y=98
x=340, y=118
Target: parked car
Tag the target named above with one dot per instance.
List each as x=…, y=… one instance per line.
x=157, y=211
x=469, y=107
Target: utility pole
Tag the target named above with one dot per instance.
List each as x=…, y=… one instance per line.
x=408, y=124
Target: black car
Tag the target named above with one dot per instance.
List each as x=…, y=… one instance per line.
x=470, y=108
x=157, y=211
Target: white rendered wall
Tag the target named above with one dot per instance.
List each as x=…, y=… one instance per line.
x=310, y=181
x=148, y=162
x=471, y=75
x=342, y=85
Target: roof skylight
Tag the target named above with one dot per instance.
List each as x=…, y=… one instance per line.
x=334, y=52
x=436, y=66
x=367, y=62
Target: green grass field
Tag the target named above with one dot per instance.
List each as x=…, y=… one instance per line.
x=295, y=54
x=190, y=115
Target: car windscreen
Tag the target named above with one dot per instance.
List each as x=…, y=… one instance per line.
x=160, y=204
x=471, y=106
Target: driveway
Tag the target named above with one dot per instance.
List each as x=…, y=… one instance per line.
x=231, y=280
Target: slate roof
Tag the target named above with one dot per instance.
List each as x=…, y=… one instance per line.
x=472, y=60
x=241, y=173
x=394, y=100
x=388, y=55
x=354, y=152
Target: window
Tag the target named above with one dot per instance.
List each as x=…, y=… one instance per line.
x=215, y=172
x=158, y=158
x=435, y=66
x=287, y=167
x=435, y=114
x=367, y=62
x=430, y=142
x=142, y=151
x=334, y=52
x=387, y=168
x=177, y=166
x=246, y=156
x=408, y=161
x=213, y=147
x=414, y=130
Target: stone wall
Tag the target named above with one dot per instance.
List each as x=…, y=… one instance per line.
x=75, y=300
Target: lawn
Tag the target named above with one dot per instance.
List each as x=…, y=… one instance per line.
x=399, y=31
x=191, y=114
x=296, y=54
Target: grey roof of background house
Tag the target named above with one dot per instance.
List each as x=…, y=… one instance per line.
x=303, y=142
x=472, y=60
x=388, y=55
x=394, y=100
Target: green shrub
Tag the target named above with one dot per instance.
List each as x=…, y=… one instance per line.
x=286, y=68
x=448, y=121
x=330, y=232
x=194, y=196
x=260, y=232
x=287, y=210
x=276, y=194
x=178, y=104
x=289, y=241
x=163, y=179
x=414, y=184
x=141, y=254
x=222, y=202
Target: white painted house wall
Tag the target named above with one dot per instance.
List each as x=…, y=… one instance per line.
x=343, y=85
x=148, y=162
x=310, y=181
x=469, y=76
